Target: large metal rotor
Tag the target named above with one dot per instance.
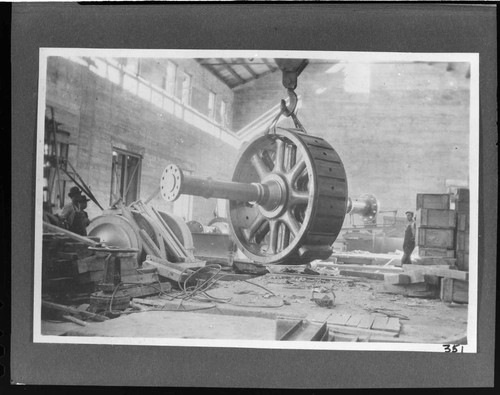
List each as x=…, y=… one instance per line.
x=287, y=199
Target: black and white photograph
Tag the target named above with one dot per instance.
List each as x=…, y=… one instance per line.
x=257, y=199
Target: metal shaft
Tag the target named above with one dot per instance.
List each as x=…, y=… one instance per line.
x=210, y=188
x=366, y=206
x=175, y=183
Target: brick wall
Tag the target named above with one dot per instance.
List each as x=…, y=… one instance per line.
x=406, y=136
x=100, y=115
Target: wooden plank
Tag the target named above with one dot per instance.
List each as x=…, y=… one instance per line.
x=136, y=291
x=75, y=320
x=354, y=273
x=354, y=320
x=72, y=235
x=140, y=278
x=339, y=319
x=463, y=222
x=463, y=195
x=460, y=291
x=449, y=273
x=433, y=200
x=434, y=237
x=369, y=268
x=397, y=278
x=360, y=331
x=71, y=310
x=92, y=263
x=434, y=252
x=463, y=241
x=366, y=322
x=393, y=325
x=447, y=290
x=342, y=337
x=436, y=218
x=169, y=272
x=462, y=260
x=417, y=290
x=355, y=260
x=177, y=265
x=380, y=323
x=453, y=290
x=436, y=260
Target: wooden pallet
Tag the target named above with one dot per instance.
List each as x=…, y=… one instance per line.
x=364, y=324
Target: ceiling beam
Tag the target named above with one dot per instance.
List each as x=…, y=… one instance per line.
x=250, y=70
x=269, y=65
x=212, y=70
x=231, y=70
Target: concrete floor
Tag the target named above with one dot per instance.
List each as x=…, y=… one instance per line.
x=251, y=312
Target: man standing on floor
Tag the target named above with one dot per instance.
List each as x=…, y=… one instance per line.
x=71, y=215
x=409, y=240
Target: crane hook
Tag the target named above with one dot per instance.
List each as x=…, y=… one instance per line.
x=292, y=96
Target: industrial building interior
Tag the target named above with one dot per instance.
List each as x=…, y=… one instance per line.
x=256, y=198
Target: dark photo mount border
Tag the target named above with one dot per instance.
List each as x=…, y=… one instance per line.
x=328, y=27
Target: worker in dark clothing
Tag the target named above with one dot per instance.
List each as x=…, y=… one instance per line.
x=81, y=218
x=409, y=240
x=73, y=210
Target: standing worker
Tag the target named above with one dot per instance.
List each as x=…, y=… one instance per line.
x=409, y=240
x=81, y=218
x=73, y=214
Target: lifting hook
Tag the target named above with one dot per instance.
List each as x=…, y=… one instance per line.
x=292, y=96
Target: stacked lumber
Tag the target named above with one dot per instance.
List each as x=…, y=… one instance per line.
x=68, y=265
x=363, y=327
x=454, y=290
x=462, y=208
x=436, y=229
x=427, y=282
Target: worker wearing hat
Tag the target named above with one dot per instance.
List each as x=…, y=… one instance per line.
x=409, y=239
x=73, y=214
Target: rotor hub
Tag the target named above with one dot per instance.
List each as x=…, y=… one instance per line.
x=276, y=197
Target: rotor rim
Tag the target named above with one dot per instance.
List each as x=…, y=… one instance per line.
x=286, y=220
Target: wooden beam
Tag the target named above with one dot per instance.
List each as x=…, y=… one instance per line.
x=71, y=310
x=72, y=235
x=270, y=65
x=250, y=70
x=232, y=72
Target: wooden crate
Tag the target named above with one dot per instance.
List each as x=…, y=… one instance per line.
x=462, y=207
x=463, y=222
x=462, y=260
x=437, y=218
x=463, y=241
x=453, y=290
x=432, y=200
x=463, y=195
x=433, y=237
x=425, y=251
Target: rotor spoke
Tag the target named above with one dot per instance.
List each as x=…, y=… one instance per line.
x=284, y=240
x=280, y=156
x=273, y=236
x=254, y=227
x=259, y=165
x=298, y=197
x=291, y=223
x=296, y=171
